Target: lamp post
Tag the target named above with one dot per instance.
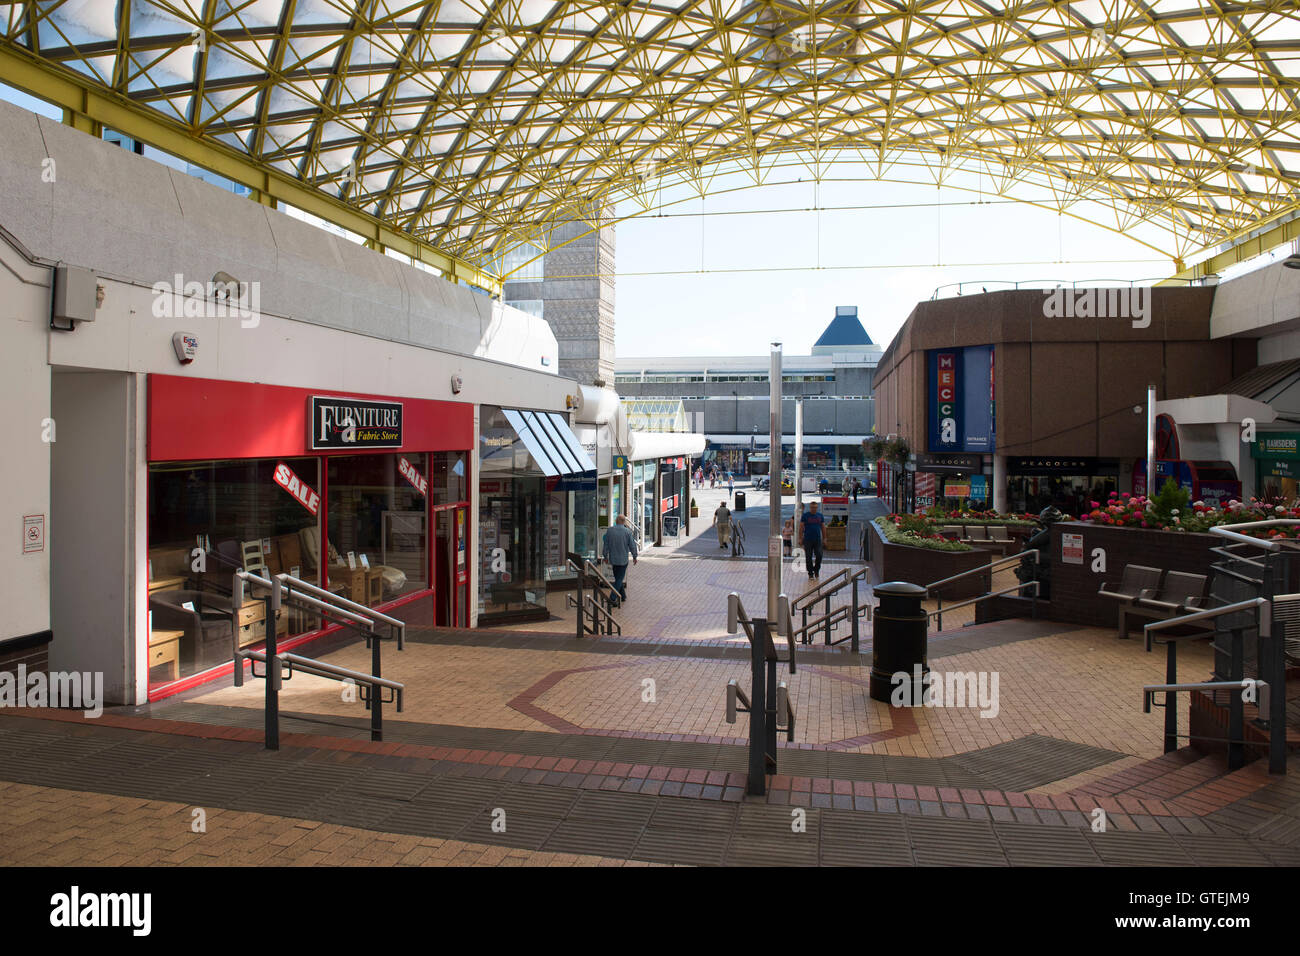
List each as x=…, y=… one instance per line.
x=774, y=497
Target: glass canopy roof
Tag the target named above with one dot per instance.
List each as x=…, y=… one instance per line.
x=477, y=126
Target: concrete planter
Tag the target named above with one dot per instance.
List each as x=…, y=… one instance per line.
x=901, y=562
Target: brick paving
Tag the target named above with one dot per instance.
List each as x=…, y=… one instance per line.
x=602, y=751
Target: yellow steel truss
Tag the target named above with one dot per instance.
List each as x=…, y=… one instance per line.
x=455, y=131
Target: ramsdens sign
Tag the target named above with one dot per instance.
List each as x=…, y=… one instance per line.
x=354, y=423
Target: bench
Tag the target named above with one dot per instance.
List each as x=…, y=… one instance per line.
x=1154, y=594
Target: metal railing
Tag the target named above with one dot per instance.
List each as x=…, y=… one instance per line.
x=768, y=701
x=852, y=612
x=285, y=589
x=984, y=569
x=737, y=539
x=594, y=601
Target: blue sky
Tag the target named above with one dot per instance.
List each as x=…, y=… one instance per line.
x=907, y=252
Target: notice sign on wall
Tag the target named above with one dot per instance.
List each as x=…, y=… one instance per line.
x=286, y=479
x=409, y=472
x=1072, y=549
x=353, y=423
x=33, y=534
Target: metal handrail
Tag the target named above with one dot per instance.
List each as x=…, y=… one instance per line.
x=831, y=618
x=813, y=594
x=1007, y=559
x=322, y=669
x=1265, y=624
x=596, y=608
x=342, y=602
x=1233, y=533
x=1246, y=683
x=975, y=600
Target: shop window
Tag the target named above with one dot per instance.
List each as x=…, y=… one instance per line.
x=378, y=527
x=207, y=520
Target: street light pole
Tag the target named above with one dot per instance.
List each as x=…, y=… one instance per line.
x=774, y=497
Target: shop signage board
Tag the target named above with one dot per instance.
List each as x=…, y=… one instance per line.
x=1284, y=445
x=961, y=399
x=350, y=423
x=302, y=493
x=979, y=488
x=412, y=475
x=1072, y=549
x=953, y=463
x=956, y=489
x=835, y=507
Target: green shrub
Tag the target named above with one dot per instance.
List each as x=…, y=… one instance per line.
x=896, y=535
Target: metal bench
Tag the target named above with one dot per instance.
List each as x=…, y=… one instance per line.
x=1181, y=593
x=1138, y=581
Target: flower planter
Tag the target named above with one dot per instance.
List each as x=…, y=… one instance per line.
x=923, y=566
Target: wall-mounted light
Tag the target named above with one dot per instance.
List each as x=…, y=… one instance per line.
x=457, y=383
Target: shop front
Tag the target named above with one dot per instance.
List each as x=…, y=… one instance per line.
x=363, y=495
x=530, y=466
x=951, y=480
x=1068, y=484
x=1277, y=467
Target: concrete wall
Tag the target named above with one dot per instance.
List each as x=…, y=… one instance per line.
x=126, y=216
x=100, y=581
x=25, y=479
x=1064, y=386
x=1266, y=301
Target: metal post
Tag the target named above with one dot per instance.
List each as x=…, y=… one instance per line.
x=376, y=693
x=1277, y=699
x=582, y=607
x=774, y=498
x=757, y=784
x=769, y=724
x=1171, y=700
x=854, y=642
x=272, y=602
x=826, y=611
x=1236, y=707
x=798, y=469
x=1151, y=441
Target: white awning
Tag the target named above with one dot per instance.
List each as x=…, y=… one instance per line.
x=648, y=445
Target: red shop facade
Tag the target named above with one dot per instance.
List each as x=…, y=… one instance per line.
x=365, y=495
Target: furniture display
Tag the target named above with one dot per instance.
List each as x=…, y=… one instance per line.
x=165, y=649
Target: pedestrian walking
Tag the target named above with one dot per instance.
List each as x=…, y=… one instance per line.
x=731, y=484
x=618, y=546
x=813, y=522
x=787, y=536
x=722, y=521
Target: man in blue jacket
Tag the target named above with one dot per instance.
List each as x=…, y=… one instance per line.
x=813, y=522
x=618, y=545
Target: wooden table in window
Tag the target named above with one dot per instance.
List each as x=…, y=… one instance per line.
x=165, y=648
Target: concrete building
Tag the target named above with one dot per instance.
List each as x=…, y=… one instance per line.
x=572, y=288
x=726, y=397
x=159, y=430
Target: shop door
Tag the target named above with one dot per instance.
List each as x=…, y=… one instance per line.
x=450, y=567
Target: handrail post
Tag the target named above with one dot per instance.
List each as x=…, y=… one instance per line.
x=1171, y=700
x=582, y=608
x=826, y=610
x=769, y=725
x=1236, y=706
x=854, y=631
x=757, y=783
x=939, y=595
x=272, y=708
x=376, y=694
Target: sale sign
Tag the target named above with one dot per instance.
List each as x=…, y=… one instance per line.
x=286, y=479
x=411, y=474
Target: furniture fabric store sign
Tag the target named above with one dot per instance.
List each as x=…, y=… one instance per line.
x=961, y=399
x=354, y=423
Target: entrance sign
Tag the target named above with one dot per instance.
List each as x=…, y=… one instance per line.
x=353, y=423
x=286, y=479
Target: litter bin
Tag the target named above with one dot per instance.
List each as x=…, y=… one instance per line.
x=740, y=501
x=899, y=641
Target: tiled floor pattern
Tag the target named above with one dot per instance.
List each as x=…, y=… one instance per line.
x=569, y=806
